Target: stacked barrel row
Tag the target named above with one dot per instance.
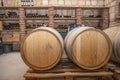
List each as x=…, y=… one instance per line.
x=87, y=47
x=114, y=35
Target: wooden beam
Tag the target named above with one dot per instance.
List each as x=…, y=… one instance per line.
x=69, y=78
x=50, y=75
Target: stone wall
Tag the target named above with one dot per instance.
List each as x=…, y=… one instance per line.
x=88, y=3
x=113, y=12
x=69, y=2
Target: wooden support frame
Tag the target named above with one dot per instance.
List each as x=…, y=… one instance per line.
x=83, y=74
x=67, y=75
x=115, y=68
x=61, y=70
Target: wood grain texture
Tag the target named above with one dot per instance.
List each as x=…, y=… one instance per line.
x=114, y=35
x=111, y=32
x=16, y=36
x=51, y=75
x=116, y=45
x=12, y=37
x=88, y=47
x=42, y=48
x=86, y=78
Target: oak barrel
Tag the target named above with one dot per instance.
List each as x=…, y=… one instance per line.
x=42, y=48
x=114, y=35
x=88, y=47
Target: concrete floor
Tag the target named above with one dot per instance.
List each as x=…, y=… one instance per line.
x=12, y=66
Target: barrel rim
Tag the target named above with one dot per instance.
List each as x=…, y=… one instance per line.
x=66, y=38
x=35, y=67
x=110, y=28
x=114, y=46
x=112, y=38
x=109, y=52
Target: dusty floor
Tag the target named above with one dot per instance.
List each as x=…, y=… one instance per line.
x=12, y=67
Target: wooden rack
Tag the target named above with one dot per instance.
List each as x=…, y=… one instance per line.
x=115, y=68
x=68, y=70
x=76, y=13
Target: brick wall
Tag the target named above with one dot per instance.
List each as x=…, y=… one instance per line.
x=22, y=23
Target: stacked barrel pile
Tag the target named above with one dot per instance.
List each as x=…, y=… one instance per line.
x=87, y=47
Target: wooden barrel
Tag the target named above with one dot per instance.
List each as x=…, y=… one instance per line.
x=42, y=48
x=116, y=46
x=88, y=47
x=113, y=33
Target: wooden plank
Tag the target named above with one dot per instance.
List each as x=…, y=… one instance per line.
x=83, y=74
x=117, y=71
x=65, y=18
x=64, y=70
x=92, y=18
x=8, y=7
x=115, y=68
x=29, y=79
x=69, y=78
x=57, y=70
x=35, y=7
x=36, y=18
x=116, y=77
x=7, y=19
